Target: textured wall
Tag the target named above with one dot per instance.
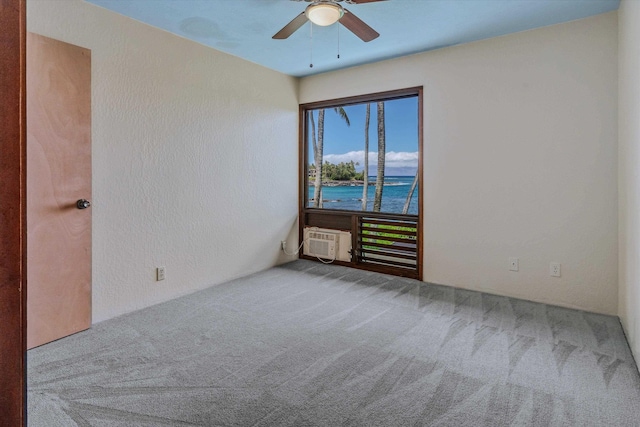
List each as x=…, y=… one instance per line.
x=194, y=158
x=194, y=151
x=520, y=159
x=629, y=173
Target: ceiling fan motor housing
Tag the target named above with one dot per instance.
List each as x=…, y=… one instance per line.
x=327, y=12
x=324, y=13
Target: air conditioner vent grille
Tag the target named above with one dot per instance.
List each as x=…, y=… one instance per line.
x=322, y=236
x=322, y=243
x=325, y=243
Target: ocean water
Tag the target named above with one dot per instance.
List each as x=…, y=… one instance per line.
x=394, y=194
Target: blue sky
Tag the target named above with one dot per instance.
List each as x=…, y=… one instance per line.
x=345, y=143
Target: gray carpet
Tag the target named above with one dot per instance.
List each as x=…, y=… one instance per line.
x=307, y=344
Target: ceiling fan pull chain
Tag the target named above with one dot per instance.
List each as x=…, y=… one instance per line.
x=311, y=43
x=338, y=41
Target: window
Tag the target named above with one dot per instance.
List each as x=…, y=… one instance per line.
x=363, y=156
x=361, y=172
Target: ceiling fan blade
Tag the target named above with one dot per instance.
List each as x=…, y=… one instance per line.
x=358, y=27
x=364, y=1
x=291, y=27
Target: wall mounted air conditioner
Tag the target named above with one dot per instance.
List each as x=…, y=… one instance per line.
x=327, y=244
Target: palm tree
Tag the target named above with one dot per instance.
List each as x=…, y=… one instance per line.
x=411, y=190
x=318, y=149
x=343, y=114
x=377, y=202
x=365, y=186
x=317, y=156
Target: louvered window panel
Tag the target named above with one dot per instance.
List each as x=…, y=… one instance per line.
x=388, y=242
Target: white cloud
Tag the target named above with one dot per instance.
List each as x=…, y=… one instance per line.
x=355, y=156
x=402, y=159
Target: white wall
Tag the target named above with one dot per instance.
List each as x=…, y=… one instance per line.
x=194, y=151
x=520, y=159
x=629, y=172
x=194, y=158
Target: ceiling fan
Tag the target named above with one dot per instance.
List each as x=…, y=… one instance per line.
x=327, y=12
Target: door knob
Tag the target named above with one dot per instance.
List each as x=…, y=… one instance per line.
x=83, y=204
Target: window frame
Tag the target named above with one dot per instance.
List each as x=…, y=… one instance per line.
x=305, y=211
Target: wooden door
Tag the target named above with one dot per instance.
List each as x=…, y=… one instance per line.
x=58, y=175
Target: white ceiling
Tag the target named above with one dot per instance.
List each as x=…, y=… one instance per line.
x=244, y=28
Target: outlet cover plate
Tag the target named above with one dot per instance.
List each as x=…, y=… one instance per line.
x=160, y=274
x=554, y=269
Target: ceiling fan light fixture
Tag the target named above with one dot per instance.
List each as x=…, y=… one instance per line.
x=324, y=14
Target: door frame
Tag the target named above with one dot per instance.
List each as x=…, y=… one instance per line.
x=13, y=286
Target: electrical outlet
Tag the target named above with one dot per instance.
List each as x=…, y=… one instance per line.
x=283, y=245
x=514, y=264
x=160, y=273
x=554, y=269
